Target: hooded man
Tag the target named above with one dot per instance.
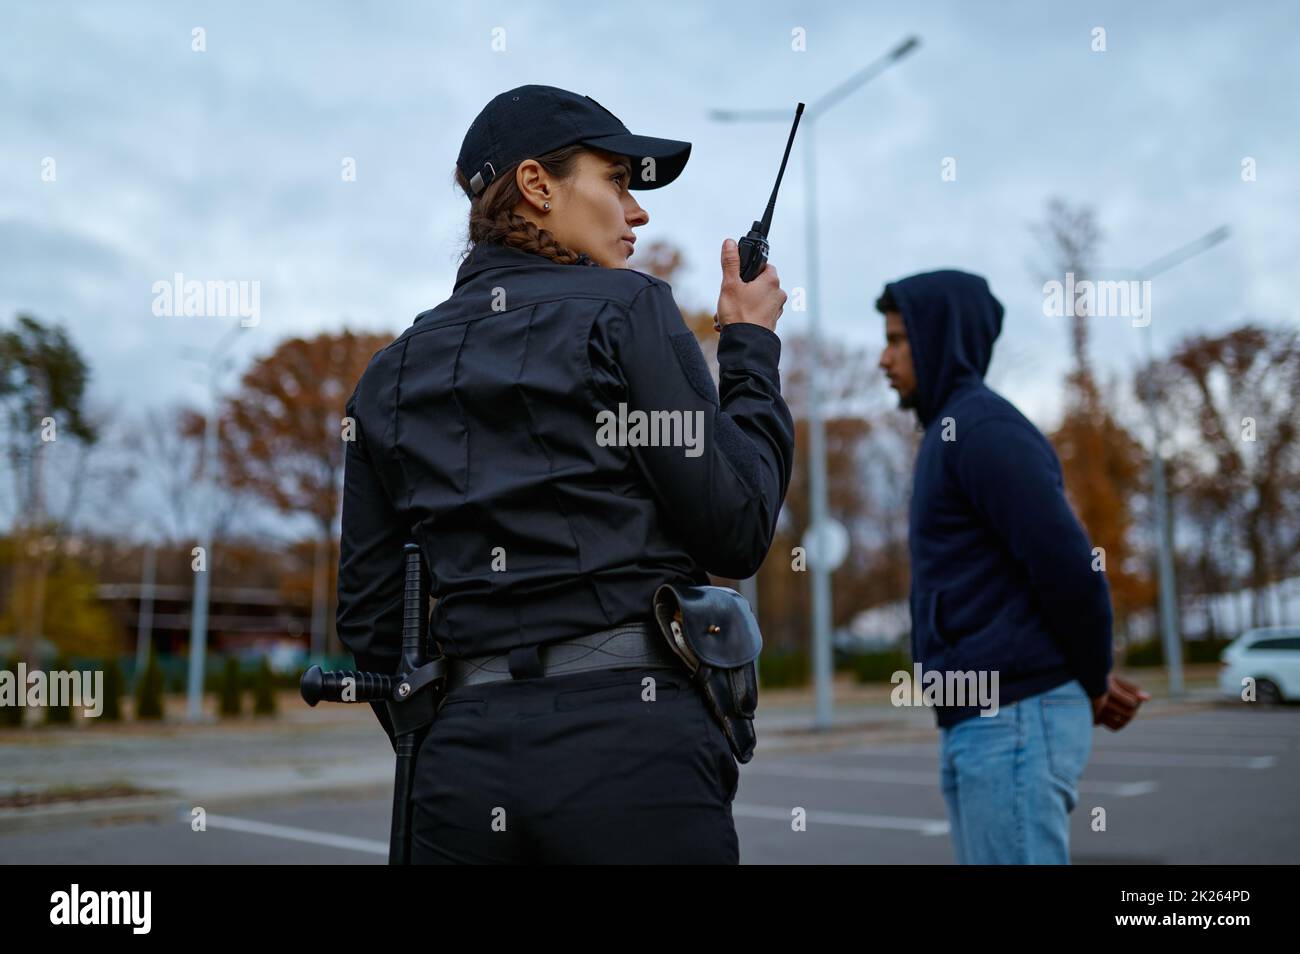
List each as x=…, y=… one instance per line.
x=1005, y=587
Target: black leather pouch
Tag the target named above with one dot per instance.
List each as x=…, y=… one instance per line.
x=714, y=632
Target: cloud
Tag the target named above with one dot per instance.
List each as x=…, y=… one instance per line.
x=226, y=164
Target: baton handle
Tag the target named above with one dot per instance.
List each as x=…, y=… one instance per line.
x=318, y=685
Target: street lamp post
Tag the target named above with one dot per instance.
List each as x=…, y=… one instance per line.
x=821, y=582
x=1169, y=633
x=207, y=481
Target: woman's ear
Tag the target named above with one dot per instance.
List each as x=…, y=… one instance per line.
x=534, y=184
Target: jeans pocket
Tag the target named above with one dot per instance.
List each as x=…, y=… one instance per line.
x=1067, y=733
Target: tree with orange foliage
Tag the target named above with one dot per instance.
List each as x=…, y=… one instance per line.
x=282, y=440
x=1103, y=464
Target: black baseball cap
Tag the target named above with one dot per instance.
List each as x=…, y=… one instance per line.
x=530, y=121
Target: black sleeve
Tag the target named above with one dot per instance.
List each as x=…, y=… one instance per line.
x=1013, y=478
x=723, y=493
x=371, y=566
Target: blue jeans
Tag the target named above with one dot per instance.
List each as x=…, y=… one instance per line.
x=1010, y=779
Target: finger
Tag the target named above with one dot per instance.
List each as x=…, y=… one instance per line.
x=1128, y=688
x=1125, y=694
x=1136, y=692
x=730, y=260
x=1124, y=706
x=1129, y=699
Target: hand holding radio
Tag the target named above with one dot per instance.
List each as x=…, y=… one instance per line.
x=757, y=302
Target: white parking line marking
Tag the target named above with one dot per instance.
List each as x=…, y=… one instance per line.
x=1122, y=789
x=1234, y=725
x=930, y=779
x=296, y=834
x=794, y=770
x=1235, y=744
x=1182, y=760
x=1100, y=756
x=923, y=826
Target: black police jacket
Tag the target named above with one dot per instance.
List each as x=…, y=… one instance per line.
x=501, y=433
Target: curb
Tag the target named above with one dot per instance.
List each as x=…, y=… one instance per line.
x=72, y=813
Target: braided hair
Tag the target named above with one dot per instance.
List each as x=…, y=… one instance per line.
x=492, y=217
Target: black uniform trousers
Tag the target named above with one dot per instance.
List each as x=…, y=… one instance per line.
x=597, y=767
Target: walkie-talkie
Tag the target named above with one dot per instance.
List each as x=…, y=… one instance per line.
x=754, y=247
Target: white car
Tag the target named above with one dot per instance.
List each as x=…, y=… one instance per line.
x=1271, y=657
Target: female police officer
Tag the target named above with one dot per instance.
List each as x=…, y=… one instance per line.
x=568, y=732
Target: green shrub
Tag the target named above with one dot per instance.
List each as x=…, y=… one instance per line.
x=149, y=691
x=880, y=666
x=264, y=689
x=231, y=690
x=778, y=670
x=1194, y=651
x=113, y=689
x=12, y=716
x=1204, y=650
x=60, y=714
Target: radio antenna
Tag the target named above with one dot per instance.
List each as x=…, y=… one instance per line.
x=771, y=203
x=753, y=247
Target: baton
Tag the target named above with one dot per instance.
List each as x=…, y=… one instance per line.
x=411, y=696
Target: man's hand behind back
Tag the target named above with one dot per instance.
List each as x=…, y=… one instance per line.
x=1119, y=704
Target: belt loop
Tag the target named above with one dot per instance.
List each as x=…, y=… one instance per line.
x=526, y=663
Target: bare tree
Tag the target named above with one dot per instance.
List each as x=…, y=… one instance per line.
x=1229, y=400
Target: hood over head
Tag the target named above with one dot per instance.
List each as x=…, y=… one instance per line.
x=952, y=320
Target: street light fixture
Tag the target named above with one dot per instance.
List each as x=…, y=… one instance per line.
x=821, y=584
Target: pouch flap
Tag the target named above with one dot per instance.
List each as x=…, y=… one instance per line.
x=716, y=623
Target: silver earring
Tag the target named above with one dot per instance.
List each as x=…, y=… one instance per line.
x=546, y=205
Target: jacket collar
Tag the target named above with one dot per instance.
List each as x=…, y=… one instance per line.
x=486, y=255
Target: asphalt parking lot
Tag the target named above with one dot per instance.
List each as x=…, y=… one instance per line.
x=1212, y=784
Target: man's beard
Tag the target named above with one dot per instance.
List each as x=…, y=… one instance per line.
x=907, y=401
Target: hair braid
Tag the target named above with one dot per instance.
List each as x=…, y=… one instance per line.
x=492, y=217
x=510, y=228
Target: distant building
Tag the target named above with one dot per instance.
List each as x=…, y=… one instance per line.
x=238, y=617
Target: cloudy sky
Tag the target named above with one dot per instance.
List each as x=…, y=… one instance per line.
x=226, y=163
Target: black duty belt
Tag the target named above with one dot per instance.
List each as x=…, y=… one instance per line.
x=631, y=645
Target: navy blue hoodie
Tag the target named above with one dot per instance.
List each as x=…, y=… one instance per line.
x=1002, y=571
